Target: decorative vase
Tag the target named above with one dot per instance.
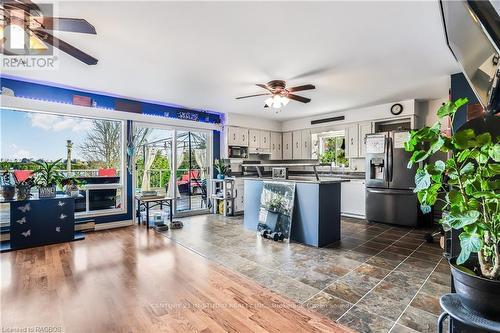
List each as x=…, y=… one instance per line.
x=23, y=192
x=220, y=176
x=477, y=293
x=47, y=191
x=8, y=192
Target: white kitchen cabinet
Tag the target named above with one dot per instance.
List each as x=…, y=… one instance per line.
x=254, y=138
x=305, y=144
x=352, y=198
x=276, y=146
x=239, y=190
x=232, y=136
x=265, y=140
x=352, y=141
x=243, y=137
x=364, y=129
x=297, y=145
x=287, y=146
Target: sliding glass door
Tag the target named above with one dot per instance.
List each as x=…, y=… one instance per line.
x=173, y=162
x=192, y=171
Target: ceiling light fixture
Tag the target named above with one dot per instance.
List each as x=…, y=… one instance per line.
x=277, y=101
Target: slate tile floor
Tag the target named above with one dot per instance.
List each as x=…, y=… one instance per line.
x=378, y=278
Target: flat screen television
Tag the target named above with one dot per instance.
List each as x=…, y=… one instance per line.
x=473, y=34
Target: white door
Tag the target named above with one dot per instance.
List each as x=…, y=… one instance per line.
x=232, y=136
x=352, y=200
x=364, y=129
x=306, y=144
x=254, y=138
x=297, y=145
x=243, y=137
x=352, y=141
x=265, y=140
x=276, y=151
x=287, y=146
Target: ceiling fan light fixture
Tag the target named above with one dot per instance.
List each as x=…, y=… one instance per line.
x=269, y=101
x=284, y=100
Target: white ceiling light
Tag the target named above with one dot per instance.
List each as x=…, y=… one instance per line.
x=277, y=101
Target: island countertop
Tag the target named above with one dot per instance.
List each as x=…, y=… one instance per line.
x=301, y=179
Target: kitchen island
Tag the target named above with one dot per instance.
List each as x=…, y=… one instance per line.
x=316, y=212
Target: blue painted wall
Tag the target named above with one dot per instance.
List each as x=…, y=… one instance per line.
x=60, y=94
x=460, y=88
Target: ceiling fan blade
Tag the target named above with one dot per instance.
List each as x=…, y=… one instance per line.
x=263, y=86
x=298, y=98
x=264, y=94
x=25, y=5
x=300, y=88
x=65, y=47
x=68, y=24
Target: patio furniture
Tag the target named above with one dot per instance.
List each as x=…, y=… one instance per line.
x=152, y=202
x=453, y=308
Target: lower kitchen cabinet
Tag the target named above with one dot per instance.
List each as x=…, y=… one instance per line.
x=239, y=191
x=353, y=198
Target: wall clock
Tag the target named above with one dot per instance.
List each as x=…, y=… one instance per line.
x=396, y=109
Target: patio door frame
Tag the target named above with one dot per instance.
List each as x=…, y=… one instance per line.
x=173, y=165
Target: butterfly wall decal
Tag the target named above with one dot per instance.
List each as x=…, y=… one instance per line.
x=25, y=208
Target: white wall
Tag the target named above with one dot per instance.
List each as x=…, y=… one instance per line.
x=381, y=111
x=428, y=109
x=236, y=119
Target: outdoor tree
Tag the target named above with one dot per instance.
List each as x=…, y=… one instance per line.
x=102, y=144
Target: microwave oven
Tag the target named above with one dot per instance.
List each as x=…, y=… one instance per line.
x=238, y=152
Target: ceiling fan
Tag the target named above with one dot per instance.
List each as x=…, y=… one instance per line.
x=279, y=94
x=27, y=17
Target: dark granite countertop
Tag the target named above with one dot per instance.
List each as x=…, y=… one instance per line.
x=301, y=179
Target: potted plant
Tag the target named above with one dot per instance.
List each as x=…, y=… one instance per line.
x=47, y=178
x=71, y=186
x=468, y=183
x=222, y=168
x=7, y=186
x=24, y=187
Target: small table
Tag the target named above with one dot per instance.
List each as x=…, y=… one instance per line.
x=453, y=307
x=152, y=202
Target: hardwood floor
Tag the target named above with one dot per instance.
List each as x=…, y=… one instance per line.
x=131, y=280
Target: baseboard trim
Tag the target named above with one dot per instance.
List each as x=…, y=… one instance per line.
x=354, y=216
x=112, y=225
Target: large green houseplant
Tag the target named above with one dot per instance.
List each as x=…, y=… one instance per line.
x=468, y=183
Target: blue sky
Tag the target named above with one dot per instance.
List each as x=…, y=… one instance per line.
x=37, y=135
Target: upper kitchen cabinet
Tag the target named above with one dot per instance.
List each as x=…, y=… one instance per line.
x=254, y=138
x=287, y=146
x=265, y=140
x=306, y=145
x=364, y=130
x=276, y=146
x=352, y=141
x=237, y=136
x=297, y=145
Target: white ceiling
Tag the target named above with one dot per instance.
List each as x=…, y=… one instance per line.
x=204, y=54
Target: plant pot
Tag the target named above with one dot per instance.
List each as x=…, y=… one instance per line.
x=220, y=176
x=23, y=192
x=477, y=293
x=8, y=191
x=47, y=191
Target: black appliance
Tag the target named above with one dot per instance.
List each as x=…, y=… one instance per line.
x=389, y=183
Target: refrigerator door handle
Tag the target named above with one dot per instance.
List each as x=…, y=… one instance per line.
x=389, y=159
x=388, y=191
x=386, y=159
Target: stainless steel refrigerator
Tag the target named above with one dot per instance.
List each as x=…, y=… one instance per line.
x=389, y=183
